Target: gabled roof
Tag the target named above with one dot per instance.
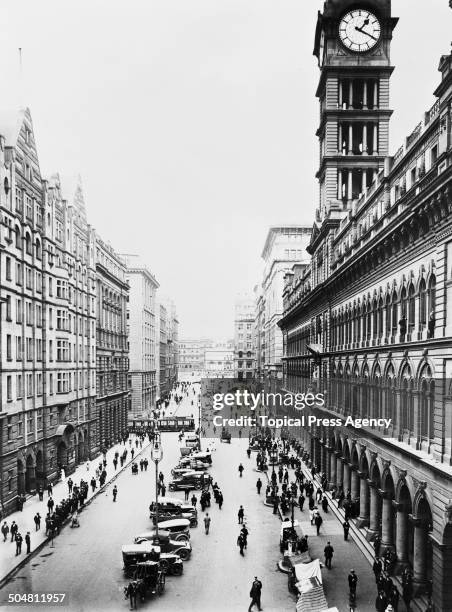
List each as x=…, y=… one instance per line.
x=11, y=121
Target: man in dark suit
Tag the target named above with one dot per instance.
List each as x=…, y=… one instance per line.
x=255, y=594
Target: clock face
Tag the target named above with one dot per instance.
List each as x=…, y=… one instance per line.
x=359, y=30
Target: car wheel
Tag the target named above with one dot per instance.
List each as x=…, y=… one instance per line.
x=183, y=553
x=178, y=570
x=182, y=537
x=164, y=564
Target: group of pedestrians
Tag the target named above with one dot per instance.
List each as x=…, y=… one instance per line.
x=16, y=537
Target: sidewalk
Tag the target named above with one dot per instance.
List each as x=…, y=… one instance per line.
x=9, y=562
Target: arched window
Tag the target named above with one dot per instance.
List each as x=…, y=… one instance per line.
x=364, y=319
x=374, y=318
x=411, y=308
x=395, y=314
x=427, y=404
x=375, y=400
x=388, y=316
x=422, y=304
x=355, y=318
x=406, y=401
x=431, y=294
x=403, y=301
x=18, y=238
x=28, y=248
x=38, y=249
x=380, y=318
x=388, y=398
x=369, y=319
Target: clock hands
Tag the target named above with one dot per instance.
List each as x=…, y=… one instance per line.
x=364, y=32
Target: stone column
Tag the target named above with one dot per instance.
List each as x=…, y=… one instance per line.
x=363, y=189
x=363, y=519
x=339, y=184
x=375, y=140
x=364, y=138
x=374, y=518
x=401, y=535
x=420, y=552
x=339, y=471
x=376, y=93
x=350, y=185
x=387, y=518
x=365, y=94
x=346, y=476
x=350, y=138
x=355, y=487
x=341, y=97
x=332, y=480
x=350, y=94
x=339, y=138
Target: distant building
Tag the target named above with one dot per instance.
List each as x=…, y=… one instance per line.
x=141, y=319
x=112, y=354
x=192, y=356
x=219, y=362
x=244, y=354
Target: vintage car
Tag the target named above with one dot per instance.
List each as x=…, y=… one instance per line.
x=288, y=532
x=193, y=480
x=134, y=553
x=182, y=548
x=225, y=435
x=188, y=463
x=150, y=578
x=203, y=456
x=191, y=441
x=173, y=508
x=178, y=529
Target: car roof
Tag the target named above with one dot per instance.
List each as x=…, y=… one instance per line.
x=144, y=547
x=174, y=523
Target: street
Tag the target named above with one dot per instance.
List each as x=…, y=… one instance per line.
x=86, y=563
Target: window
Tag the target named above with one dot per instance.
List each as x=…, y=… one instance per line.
x=29, y=385
x=50, y=350
x=19, y=200
x=8, y=268
x=62, y=319
x=28, y=248
x=30, y=422
x=29, y=346
x=39, y=282
x=9, y=350
x=51, y=393
x=8, y=308
x=39, y=349
x=29, y=313
x=28, y=276
x=61, y=289
x=63, y=353
x=63, y=382
x=19, y=279
x=434, y=154
x=19, y=387
x=38, y=315
x=50, y=286
x=39, y=415
x=18, y=348
x=9, y=388
x=28, y=206
x=39, y=385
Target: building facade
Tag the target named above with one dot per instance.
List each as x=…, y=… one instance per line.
x=192, y=356
x=283, y=247
x=48, y=414
x=143, y=350
x=172, y=344
x=163, y=358
x=244, y=350
x=112, y=353
x=375, y=303
x=219, y=362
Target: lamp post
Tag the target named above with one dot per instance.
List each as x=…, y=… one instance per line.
x=156, y=456
x=199, y=422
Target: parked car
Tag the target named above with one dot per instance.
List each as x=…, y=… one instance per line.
x=173, y=508
x=193, y=480
x=166, y=543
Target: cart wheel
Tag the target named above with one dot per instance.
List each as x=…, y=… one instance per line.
x=178, y=570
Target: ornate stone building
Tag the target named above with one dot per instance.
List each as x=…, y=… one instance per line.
x=47, y=418
x=375, y=302
x=112, y=353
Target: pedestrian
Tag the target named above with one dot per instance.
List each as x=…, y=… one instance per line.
x=220, y=499
x=164, y=491
x=377, y=568
x=259, y=486
x=115, y=463
x=244, y=531
x=194, y=500
x=70, y=484
x=328, y=553
x=352, y=581
x=19, y=540
x=28, y=542
x=5, y=531
x=241, y=544
x=115, y=492
x=255, y=594
x=381, y=602
x=325, y=504
x=49, y=489
x=301, y=501
x=187, y=494
x=207, y=523
x=50, y=504
x=346, y=528
x=37, y=520
x=241, y=468
x=40, y=493
x=14, y=529
x=318, y=520
x=240, y=515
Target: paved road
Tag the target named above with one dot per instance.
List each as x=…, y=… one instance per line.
x=86, y=563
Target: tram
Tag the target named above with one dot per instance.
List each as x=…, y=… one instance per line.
x=148, y=425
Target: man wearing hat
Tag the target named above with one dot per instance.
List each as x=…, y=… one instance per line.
x=255, y=594
x=352, y=581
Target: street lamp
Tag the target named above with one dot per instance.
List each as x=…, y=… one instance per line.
x=156, y=456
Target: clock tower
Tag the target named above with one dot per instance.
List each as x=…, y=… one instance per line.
x=352, y=45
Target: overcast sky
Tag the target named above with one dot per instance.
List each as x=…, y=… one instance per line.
x=192, y=123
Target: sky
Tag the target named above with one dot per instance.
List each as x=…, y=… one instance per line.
x=192, y=124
